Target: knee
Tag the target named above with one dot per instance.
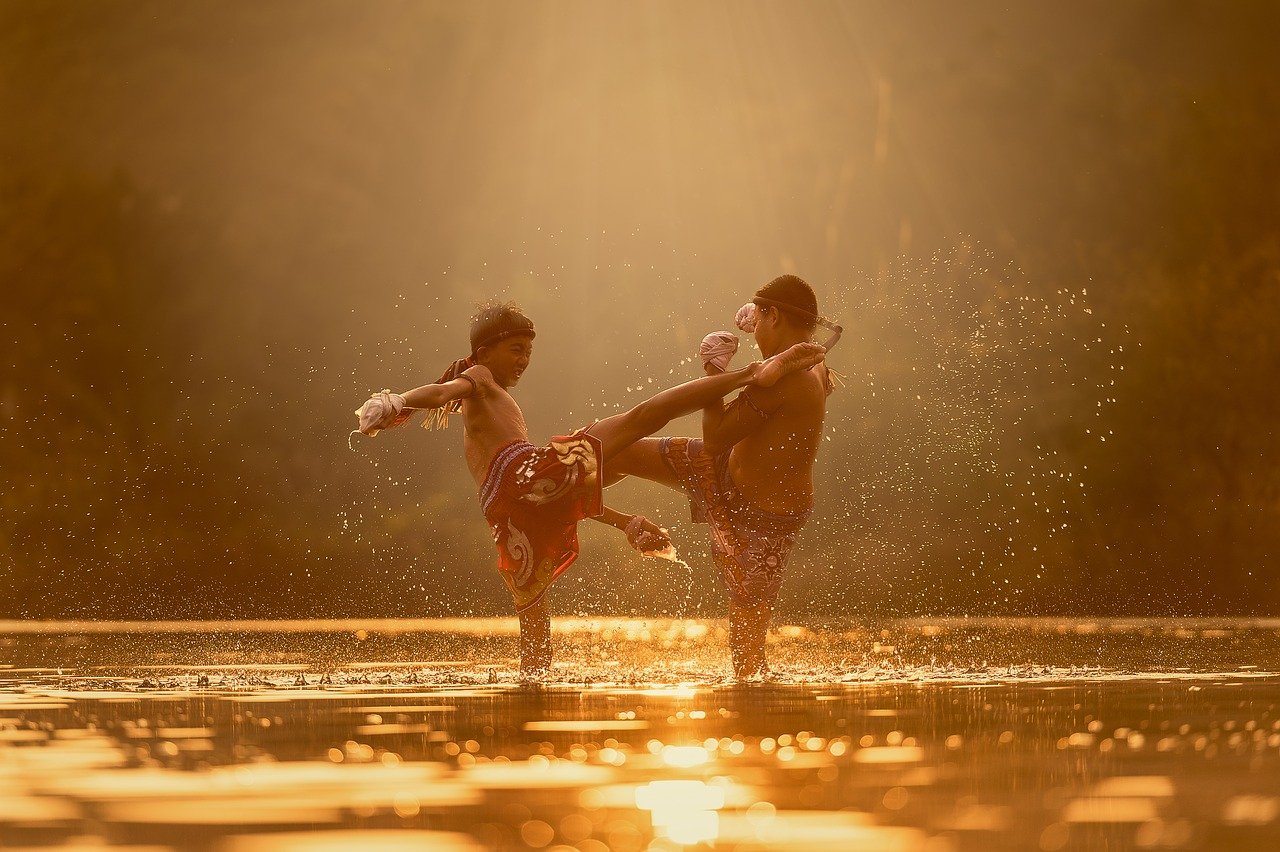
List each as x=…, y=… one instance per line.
x=535, y=615
x=619, y=467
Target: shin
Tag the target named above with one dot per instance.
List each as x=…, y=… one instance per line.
x=622, y=430
x=748, y=627
x=535, y=640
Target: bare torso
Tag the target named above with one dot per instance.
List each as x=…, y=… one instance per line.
x=491, y=420
x=773, y=466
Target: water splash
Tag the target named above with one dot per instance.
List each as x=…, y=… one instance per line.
x=961, y=447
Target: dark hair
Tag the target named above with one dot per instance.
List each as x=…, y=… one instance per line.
x=794, y=297
x=494, y=321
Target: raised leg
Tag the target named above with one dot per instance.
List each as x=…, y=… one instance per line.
x=642, y=459
x=535, y=641
x=622, y=430
x=748, y=627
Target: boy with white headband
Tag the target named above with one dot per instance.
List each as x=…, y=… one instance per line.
x=750, y=477
x=533, y=497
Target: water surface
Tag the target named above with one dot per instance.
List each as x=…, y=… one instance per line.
x=942, y=734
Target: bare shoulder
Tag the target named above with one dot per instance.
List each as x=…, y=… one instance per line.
x=794, y=393
x=481, y=376
x=801, y=389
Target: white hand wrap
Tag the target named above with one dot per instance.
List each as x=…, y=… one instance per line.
x=380, y=412
x=718, y=348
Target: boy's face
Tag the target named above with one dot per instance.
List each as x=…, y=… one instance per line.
x=507, y=359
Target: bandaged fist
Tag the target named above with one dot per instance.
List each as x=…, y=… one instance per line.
x=717, y=351
x=746, y=318
x=381, y=411
x=646, y=536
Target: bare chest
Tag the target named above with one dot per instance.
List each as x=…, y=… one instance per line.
x=490, y=423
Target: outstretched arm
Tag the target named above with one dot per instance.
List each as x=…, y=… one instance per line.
x=434, y=396
x=387, y=410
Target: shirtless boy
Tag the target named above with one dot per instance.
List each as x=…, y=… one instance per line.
x=751, y=476
x=531, y=496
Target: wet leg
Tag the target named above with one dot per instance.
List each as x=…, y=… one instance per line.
x=748, y=627
x=535, y=641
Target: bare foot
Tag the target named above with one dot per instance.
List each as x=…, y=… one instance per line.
x=802, y=356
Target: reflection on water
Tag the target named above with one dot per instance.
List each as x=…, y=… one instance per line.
x=914, y=735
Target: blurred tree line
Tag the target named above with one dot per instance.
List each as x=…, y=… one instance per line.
x=115, y=500
x=136, y=481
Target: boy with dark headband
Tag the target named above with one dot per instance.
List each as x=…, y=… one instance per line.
x=750, y=477
x=531, y=496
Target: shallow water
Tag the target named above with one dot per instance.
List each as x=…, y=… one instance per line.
x=944, y=734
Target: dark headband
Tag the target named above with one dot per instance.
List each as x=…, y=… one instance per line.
x=774, y=303
x=765, y=302
x=500, y=328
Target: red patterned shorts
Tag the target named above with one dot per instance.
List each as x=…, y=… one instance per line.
x=533, y=498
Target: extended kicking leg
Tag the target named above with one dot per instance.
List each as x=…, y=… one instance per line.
x=622, y=430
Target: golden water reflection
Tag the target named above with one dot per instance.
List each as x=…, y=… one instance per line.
x=389, y=754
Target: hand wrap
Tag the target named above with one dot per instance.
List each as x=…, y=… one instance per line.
x=718, y=348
